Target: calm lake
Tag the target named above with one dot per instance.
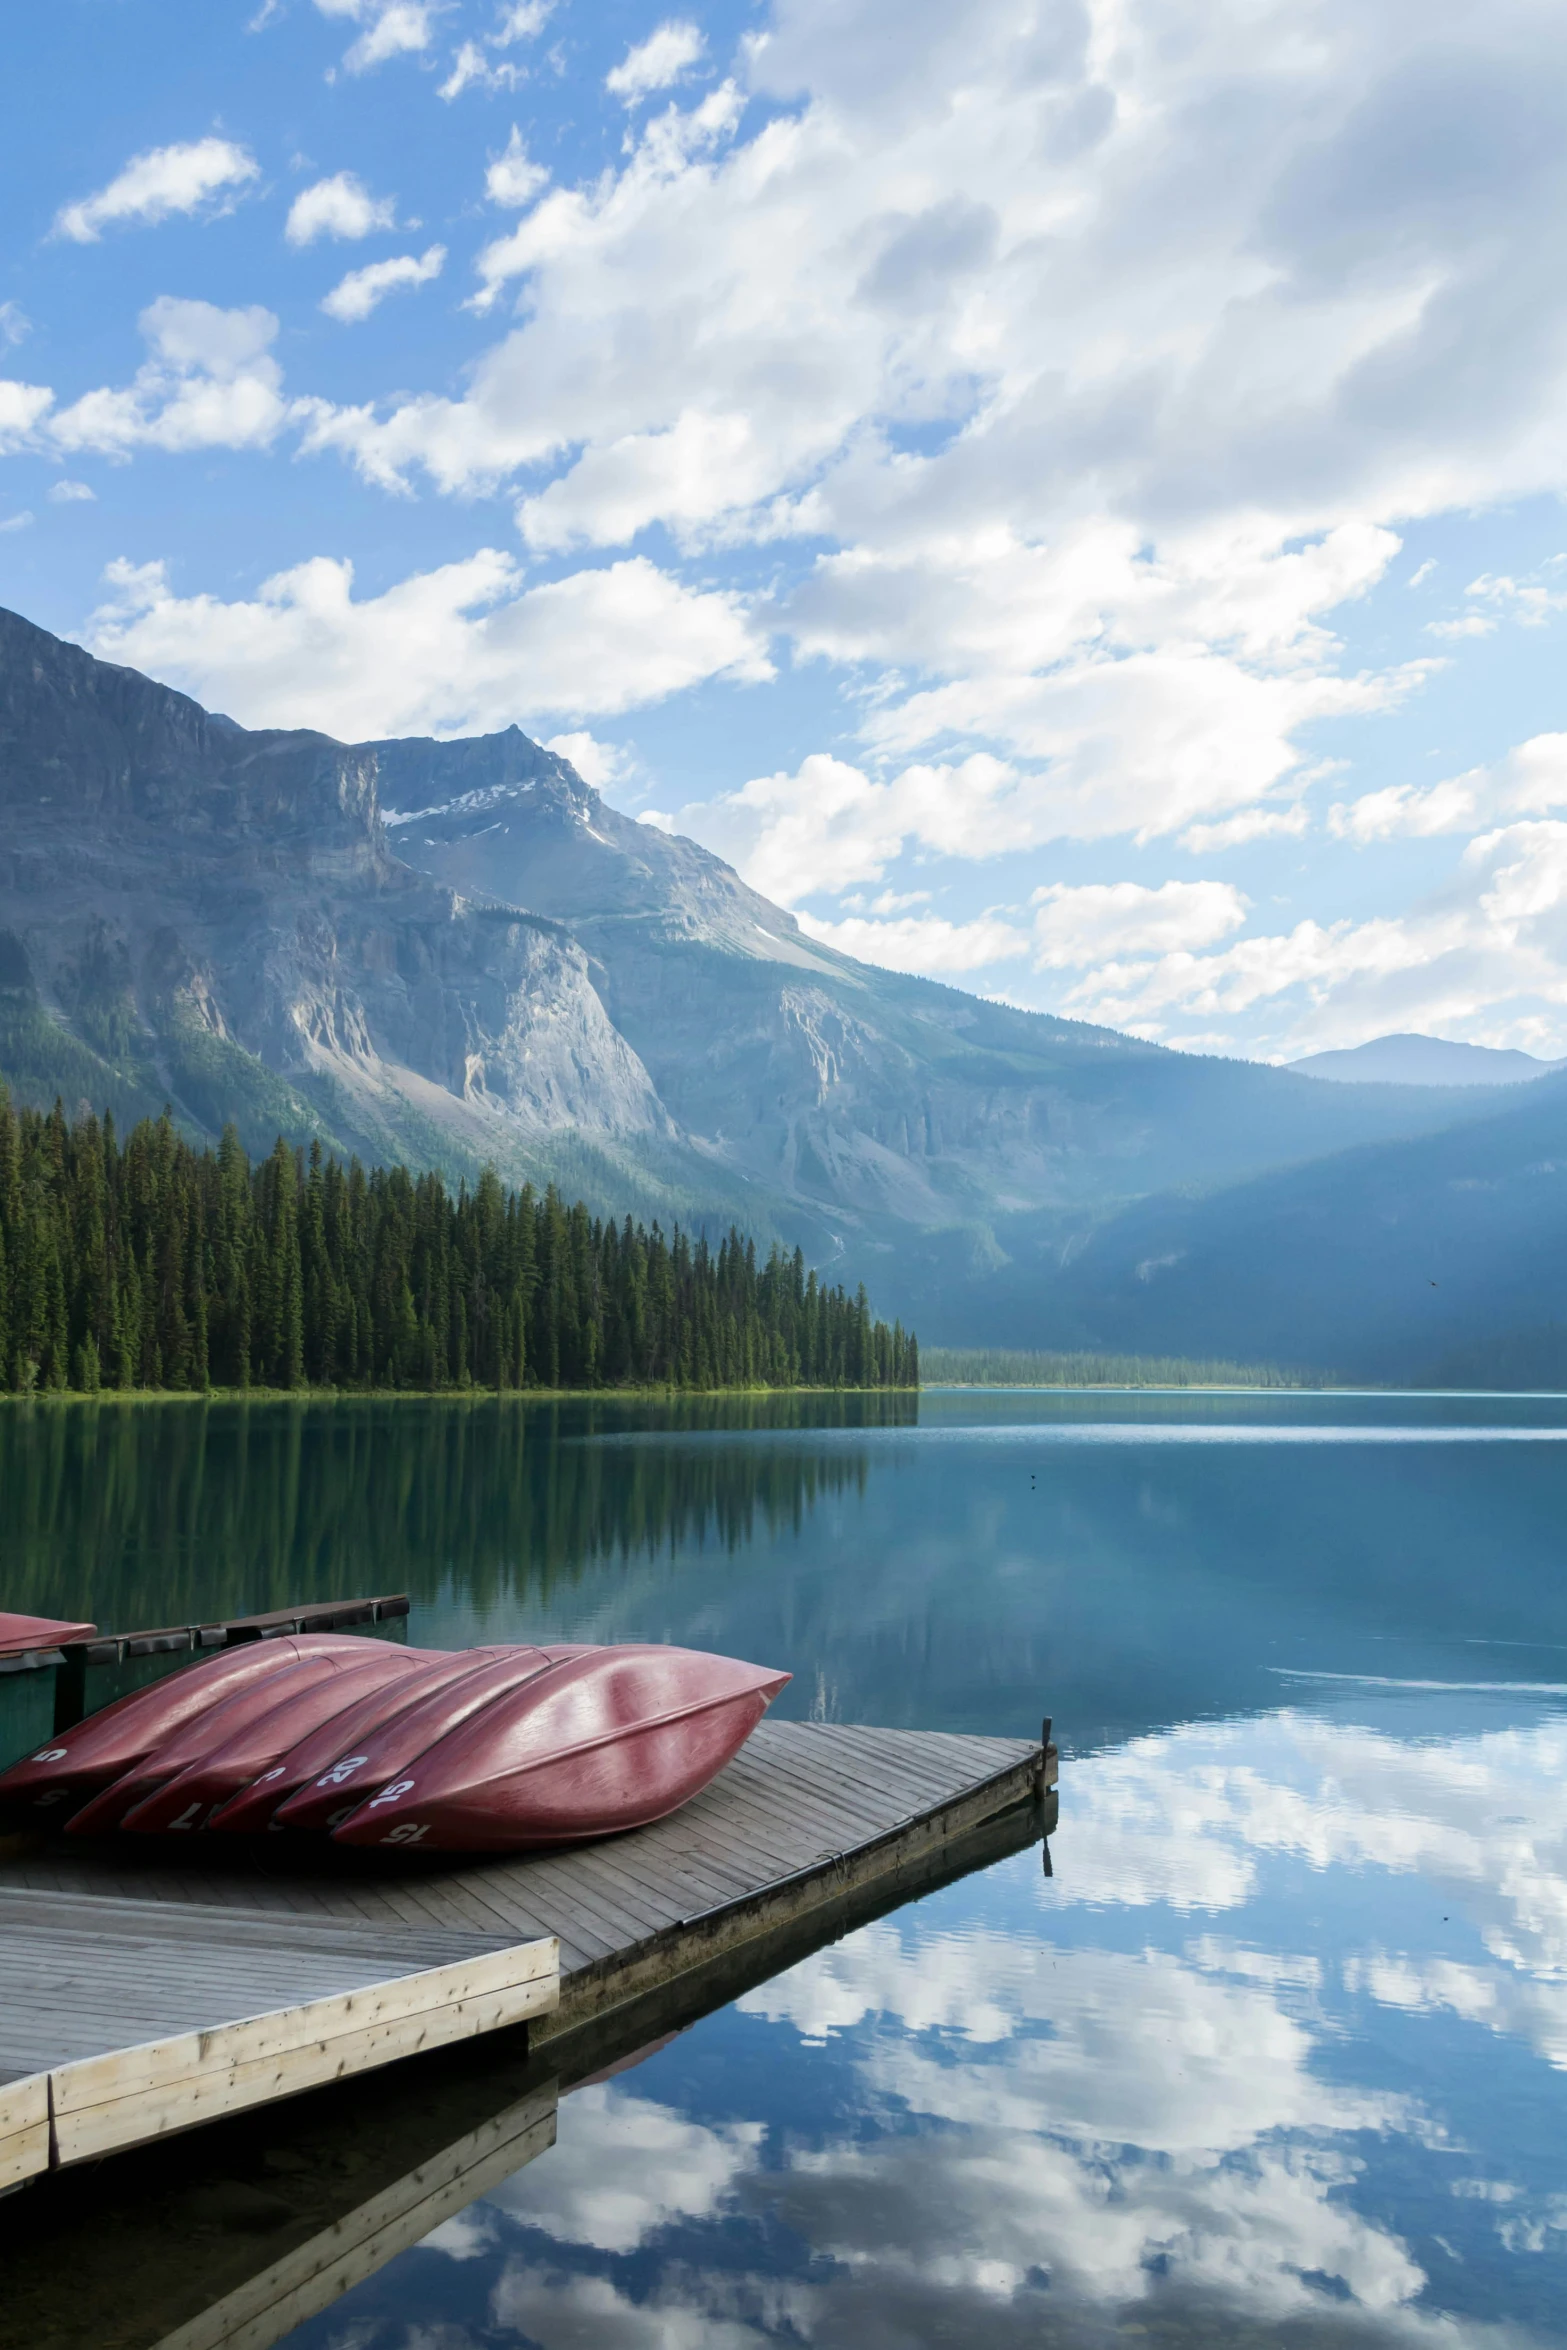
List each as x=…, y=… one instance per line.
x=1277, y=2054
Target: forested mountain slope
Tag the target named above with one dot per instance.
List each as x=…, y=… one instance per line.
x=447, y=953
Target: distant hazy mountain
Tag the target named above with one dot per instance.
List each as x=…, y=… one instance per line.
x=453, y=952
x=1443, y=1257
x=1423, y=1060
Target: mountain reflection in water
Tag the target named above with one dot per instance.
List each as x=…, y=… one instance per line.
x=1275, y=2056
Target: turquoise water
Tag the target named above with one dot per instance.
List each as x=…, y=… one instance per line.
x=1277, y=2054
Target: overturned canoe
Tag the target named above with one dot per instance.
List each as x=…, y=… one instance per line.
x=384, y=1754
x=80, y=1762
x=595, y=1742
x=20, y=1633
x=337, y=1739
x=237, y=1751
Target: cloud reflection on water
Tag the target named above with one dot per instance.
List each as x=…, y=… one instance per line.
x=1208, y=2085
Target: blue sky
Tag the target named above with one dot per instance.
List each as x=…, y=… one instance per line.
x=1066, y=495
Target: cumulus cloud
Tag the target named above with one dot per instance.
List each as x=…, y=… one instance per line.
x=341, y=206
x=1483, y=959
x=15, y=325
x=392, y=28
x=1531, y=780
x=18, y=521
x=71, y=493
x=512, y=176
x=22, y=408
x=475, y=62
x=657, y=62
x=357, y=294
x=210, y=381
x=464, y=649
x=158, y=184
x=1088, y=924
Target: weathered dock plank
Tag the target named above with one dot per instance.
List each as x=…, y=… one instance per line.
x=154, y=1993
x=230, y=2238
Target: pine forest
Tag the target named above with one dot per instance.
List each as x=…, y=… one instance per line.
x=151, y=1264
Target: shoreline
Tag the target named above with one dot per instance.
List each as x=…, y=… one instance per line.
x=57, y=1396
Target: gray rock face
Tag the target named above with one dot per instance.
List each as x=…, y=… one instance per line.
x=448, y=952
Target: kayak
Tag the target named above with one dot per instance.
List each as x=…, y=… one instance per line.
x=234, y=1755
x=82, y=1761
x=251, y=1810
x=592, y=1744
x=20, y=1633
x=377, y=1759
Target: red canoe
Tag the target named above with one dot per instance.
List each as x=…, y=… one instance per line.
x=22, y=1632
x=79, y=1762
x=382, y=1756
x=250, y=1811
x=235, y=1752
x=599, y=1741
x=213, y=1727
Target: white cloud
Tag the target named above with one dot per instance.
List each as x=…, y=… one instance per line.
x=22, y=409
x=473, y=62
x=524, y=20
x=513, y=177
x=600, y=764
x=923, y=942
x=1530, y=781
x=15, y=325
x=71, y=493
x=1532, y=600
x=623, y=2166
x=1484, y=959
x=1083, y=925
x=464, y=649
x=158, y=184
x=210, y=382
x=657, y=62
x=341, y=206
x=392, y=28
x=356, y=295
x=18, y=521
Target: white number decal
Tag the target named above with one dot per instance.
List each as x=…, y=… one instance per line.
x=406, y=1834
x=51, y=1754
x=390, y=1794
x=276, y=1772
x=343, y=1770
x=188, y=1817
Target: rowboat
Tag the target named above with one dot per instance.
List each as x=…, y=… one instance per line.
x=82, y=1761
x=594, y=1743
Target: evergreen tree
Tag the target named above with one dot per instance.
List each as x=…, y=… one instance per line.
x=149, y=1264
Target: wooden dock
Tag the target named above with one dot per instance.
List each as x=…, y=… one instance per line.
x=140, y=1995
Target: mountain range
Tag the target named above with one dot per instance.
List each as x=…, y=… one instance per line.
x=454, y=952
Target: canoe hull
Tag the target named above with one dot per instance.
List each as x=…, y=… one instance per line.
x=606, y=1740
x=234, y=1756
x=21, y=1633
x=80, y=1762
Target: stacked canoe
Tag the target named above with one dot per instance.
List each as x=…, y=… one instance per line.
x=324, y=1734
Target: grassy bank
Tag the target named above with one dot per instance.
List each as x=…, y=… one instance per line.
x=992, y=1366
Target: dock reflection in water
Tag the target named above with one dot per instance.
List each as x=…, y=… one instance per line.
x=1277, y=2053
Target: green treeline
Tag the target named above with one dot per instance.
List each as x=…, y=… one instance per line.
x=1001, y=1366
x=148, y=1264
